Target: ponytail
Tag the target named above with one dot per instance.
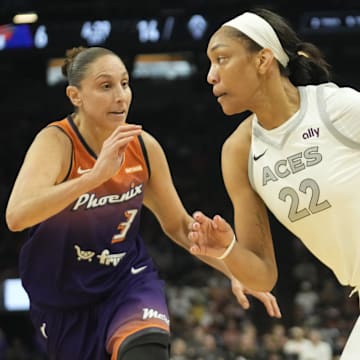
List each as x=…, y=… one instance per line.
x=308, y=66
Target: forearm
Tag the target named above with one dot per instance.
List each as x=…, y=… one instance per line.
x=252, y=271
x=246, y=267
x=25, y=211
x=216, y=264
x=241, y=263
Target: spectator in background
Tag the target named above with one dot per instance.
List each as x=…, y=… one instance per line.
x=316, y=348
x=296, y=344
x=306, y=298
x=179, y=349
x=209, y=349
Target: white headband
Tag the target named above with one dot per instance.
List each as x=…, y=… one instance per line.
x=260, y=31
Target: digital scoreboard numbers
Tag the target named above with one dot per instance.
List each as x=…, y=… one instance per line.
x=137, y=34
x=162, y=33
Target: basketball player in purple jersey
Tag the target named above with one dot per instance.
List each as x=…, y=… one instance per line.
x=94, y=291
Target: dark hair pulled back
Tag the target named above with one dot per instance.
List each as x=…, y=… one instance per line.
x=307, y=64
x=78, y=60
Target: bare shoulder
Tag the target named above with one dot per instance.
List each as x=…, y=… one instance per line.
x=52, y=149
x=147, y=137
x=151, y=143
x=238, y=143
x=235, y=160
x=54, y=136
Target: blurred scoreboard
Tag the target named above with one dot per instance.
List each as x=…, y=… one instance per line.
x=153, y=34
x=123, y=35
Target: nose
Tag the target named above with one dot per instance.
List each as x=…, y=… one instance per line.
x=119, y=93
x=212, y=77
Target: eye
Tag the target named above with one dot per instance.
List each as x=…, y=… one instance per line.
x=106, y=86
x=125, y=83
x=220, y=59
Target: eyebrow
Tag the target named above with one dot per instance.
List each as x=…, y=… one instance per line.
x=123, y=74
x=216, y=46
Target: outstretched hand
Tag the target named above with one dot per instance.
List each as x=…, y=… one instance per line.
x=209, y=237
x=112, y=152
x=268, y=299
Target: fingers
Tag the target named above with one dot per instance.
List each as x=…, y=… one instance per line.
x=119, y=139
x=195, y=249
x=270, y=304
x=275, y=309
x=110, y=157
x=196, y=232
x=125, y=133
x=242, y=299
x=201, y=220
x=198, y=235
x=238, y=290
x=193, y=236
x=127, y=127
x=206, y=237
x=221, y=224
x=198, y=244
x=268, y=299
x=199, y=217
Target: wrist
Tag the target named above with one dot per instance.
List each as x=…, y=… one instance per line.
x=228, y=249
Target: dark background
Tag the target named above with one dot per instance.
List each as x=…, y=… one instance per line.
x=180, y=113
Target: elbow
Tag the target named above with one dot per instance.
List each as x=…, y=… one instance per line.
x=13, y=221
x=261, y=280
x=269, y=280
x=265, y=285
x=272, y=280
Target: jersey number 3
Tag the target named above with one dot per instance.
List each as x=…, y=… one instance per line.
x=124, y=226
x=314, y=207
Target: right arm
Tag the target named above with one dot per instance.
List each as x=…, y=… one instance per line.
x=39, y=192
x=252, y=259
x=162, y=199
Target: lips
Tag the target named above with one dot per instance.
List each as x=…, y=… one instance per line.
x=218, y=94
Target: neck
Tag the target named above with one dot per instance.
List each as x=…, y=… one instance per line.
x=277, y=103
x=93, y=135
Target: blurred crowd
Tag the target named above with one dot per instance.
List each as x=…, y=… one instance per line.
x=208, y=324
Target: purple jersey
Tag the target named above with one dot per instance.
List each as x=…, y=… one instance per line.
x=93, y=246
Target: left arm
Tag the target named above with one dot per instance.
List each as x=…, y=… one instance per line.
x=161, y=197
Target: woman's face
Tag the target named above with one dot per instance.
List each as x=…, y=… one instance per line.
x=104, y=93
x=233, y=72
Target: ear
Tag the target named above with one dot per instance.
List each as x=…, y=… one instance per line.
x=264, y=60
x=73, y=94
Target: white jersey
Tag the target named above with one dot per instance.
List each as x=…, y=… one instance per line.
x=307, y=171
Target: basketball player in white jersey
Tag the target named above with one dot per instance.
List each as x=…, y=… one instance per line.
x=297, y=154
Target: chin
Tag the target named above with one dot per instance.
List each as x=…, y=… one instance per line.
x=229, y=111
x=232, y=109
